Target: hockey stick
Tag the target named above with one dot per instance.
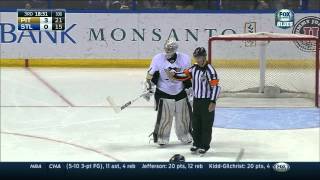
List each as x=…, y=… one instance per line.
x=117, y=109
x=113, y=104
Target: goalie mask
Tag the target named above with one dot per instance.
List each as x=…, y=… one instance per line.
x=170, y=47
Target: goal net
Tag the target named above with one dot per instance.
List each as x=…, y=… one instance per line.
x=266, y=69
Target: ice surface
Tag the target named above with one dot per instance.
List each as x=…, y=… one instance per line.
x=37, y=124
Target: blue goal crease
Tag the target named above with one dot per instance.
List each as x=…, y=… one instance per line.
x=267, y=118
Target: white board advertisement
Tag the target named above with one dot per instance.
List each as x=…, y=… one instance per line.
x=137, y=36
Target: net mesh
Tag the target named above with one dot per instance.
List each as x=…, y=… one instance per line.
x=265, y=68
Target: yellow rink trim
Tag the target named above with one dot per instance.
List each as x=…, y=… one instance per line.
x=84, y=63
x=143, y=63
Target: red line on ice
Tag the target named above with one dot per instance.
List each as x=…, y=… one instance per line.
x=50, y=87
x=63, y=142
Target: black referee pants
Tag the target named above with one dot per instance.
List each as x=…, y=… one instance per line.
x=202, y=122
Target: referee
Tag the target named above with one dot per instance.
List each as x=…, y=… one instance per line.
x=205, y=91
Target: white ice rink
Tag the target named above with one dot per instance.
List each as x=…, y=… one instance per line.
x=61, y=114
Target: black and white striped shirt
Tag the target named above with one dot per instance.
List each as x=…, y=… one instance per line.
x=204, y=81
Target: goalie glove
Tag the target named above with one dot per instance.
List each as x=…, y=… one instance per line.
x=170, y=73
x=179, y=76
x=147, y=96
x=148, y=87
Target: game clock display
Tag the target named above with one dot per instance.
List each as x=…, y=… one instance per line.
x=44, y=20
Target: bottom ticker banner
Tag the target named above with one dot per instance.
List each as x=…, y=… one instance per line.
x=156, y=169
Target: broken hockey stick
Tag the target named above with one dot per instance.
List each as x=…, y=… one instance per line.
x=117, y=109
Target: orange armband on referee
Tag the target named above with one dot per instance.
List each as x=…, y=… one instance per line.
x=214, y=82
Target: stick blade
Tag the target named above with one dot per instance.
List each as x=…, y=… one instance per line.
x=113, y=104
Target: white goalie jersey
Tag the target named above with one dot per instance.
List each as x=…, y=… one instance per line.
x=161, y=64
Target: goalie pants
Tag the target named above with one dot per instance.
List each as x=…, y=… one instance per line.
x=160, y=94
x=202, y=122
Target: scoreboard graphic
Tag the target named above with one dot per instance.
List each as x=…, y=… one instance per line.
x=44, y=20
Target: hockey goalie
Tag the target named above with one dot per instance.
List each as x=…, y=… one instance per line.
x=171, y=97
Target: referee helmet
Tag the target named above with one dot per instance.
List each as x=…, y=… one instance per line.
x=199, y=51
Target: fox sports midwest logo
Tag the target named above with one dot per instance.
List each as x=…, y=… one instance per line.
x=284, y=18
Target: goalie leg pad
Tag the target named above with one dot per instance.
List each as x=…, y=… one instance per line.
x=163, y=125
x=183, y=120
